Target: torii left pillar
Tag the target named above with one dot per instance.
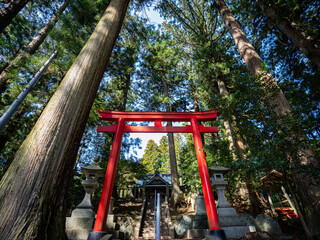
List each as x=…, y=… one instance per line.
x=102, y=214
x=215, y=232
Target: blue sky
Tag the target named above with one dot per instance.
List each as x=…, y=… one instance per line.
x=154, y=17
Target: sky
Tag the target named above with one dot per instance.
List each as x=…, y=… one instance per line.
x=145, y=137
x=153, y=15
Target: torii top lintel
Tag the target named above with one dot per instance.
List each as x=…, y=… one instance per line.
x=162, y=116
x=158, y=117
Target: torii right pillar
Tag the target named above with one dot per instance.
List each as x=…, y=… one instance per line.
x=215, y=232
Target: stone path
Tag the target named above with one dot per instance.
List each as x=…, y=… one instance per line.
x=148, y=223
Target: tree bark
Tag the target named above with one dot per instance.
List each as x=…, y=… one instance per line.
x=235, y=143
x=8, y=12
x=33, y=190
x=227, y=126
x=288, y=28
x=308, y=184
x=196, y=105
x=124, y=92
x=176, y=191
x=31, y=48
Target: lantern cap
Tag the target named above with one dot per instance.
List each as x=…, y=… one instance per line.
x=218, y=169
x=93, y=168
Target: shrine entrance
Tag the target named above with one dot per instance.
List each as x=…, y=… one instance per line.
x=157, y=117
x=157, y=184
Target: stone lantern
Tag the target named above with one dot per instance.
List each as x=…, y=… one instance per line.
x=234, y=224
x=92, y=173
x=130, y=188
x=220, y=185
x=79, y=225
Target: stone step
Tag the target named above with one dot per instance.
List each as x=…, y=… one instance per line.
x=235, y=231
x=197, y=233
x=231, y=221
x=78, y=234
x=116, y=234
x=169, y=238
x=79, y=223
x=231, y=232
x=152, y=237
x=112, y=226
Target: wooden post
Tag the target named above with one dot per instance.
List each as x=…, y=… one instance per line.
x=301, y=218
x=271, y=205
x=288, y=198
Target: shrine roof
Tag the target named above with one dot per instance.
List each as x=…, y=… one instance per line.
x=155, y=179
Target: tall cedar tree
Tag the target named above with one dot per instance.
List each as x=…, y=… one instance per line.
x=191, y=16
x=9, y=11
x=308, y=185
x=176, y=191
x=31, y=48
x=303, y=42
x=33, y=190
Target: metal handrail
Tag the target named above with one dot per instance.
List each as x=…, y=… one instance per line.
x=154, y=210
x=158, y=218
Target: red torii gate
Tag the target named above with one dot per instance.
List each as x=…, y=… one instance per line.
x=158, y=118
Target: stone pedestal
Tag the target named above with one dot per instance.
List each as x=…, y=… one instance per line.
x=234, y=224
x=111, y=220
x=79, y=225
x=200, y=206
x=112, y=227
x=82, y=218
x=200, y=219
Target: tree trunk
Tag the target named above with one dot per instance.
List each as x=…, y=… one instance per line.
x=288, y=28
x=308, y=184
x=33, y=190
x=31, y=48
x=235, y=143
x=8, y=12
x=124, y=89
x=196, y=105
x=194, y=97
x=176, y=191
